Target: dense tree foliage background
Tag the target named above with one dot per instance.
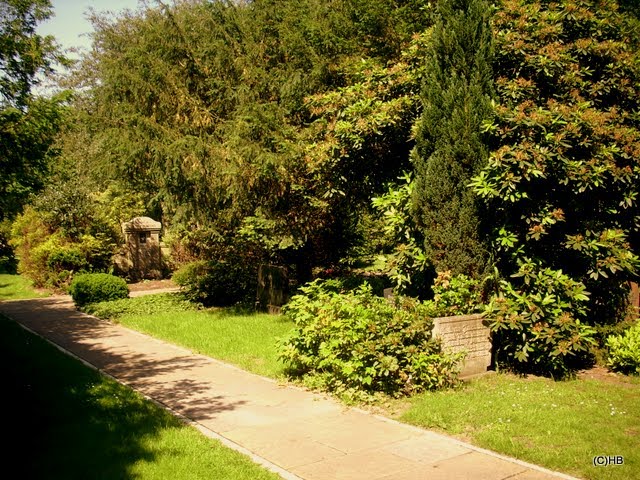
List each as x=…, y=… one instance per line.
x=28, y=125
x=398, y=137
x=275, y=120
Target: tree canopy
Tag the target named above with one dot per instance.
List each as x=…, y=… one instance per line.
x=28, y=125
x=266, y=118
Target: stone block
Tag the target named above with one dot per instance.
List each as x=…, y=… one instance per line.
x=468, y=333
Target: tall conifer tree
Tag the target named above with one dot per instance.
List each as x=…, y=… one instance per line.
x=449, y=148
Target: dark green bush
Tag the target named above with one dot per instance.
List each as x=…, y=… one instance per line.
x=218, y=283
x=69, y=258
x=8, y=261
x=97, y=287
x=356, y=343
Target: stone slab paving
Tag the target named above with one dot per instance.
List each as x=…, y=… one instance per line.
x=300, y=435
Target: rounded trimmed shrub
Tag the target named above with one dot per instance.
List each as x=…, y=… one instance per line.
x=97, y=287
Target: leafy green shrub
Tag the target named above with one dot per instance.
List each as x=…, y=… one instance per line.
x=356, y=343
x=406, y=263
x=148, y=305
x=455, y=294
x=452, y=294
x=97, y=287
x=345, y=280
x=624, y=350
x=69, y=258
x=562, y=178
x=538, y=325
x=218, y=283
x=52, y=263
x=50, y=258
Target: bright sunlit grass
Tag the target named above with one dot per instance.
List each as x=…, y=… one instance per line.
x=246, y=339
x=15, y=287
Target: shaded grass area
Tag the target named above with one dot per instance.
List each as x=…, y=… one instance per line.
x=15, y=287
x=243, y=338
x=559, y=425
x=66, y=421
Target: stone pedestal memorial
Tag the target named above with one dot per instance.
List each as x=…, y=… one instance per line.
x=142, y=248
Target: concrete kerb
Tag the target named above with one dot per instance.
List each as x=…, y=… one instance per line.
x=272, y=467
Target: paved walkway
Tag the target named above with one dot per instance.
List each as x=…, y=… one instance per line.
x=298, y=434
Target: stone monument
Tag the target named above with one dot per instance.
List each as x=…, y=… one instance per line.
x=470, y=334
x=142, y=248
x=273, y=286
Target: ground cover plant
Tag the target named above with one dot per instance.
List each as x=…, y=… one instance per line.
x=244, y=338
x=69, y=422
x=15, y=287
x=558, y=425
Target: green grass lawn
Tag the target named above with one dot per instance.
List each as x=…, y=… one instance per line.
x=245, y=339
x=15, y=287
x=66, y=421
x=559, y=425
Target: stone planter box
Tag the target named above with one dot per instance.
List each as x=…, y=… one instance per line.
x=468, y=333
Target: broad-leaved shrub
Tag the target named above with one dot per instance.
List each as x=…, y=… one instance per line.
x=624, y=350
x=538, y=323
x=355, y=343
x=50, y=258
x=455, y=295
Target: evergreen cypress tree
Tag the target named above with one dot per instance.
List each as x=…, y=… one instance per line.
x=449, y=147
